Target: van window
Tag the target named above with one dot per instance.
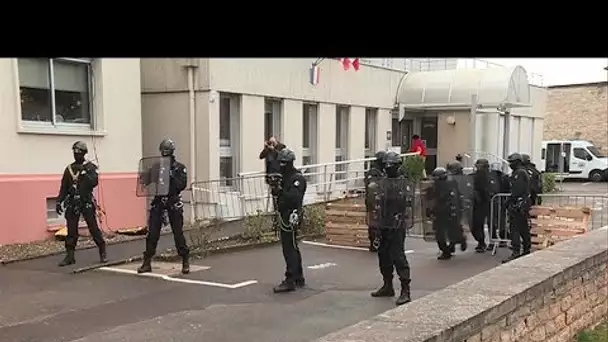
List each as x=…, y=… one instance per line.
x=580, y=153
x=594, y=150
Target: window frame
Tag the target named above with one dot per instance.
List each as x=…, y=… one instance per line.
x=584, y=150
x=312, y=111
x=274, y=107
x=228, y=148
x=53, y=126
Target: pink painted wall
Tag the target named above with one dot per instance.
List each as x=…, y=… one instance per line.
x=23, y=204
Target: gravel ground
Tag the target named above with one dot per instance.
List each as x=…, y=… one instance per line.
x=23, y=251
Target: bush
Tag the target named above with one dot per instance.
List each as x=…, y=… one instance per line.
x=314, y=220
x=257, y=225
x=549, y=183
x=200, y=233
x=414, y=167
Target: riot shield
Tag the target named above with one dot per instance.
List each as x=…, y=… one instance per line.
x=427, y=203
x=393, y=203
x=467, y=196
x=153, y=176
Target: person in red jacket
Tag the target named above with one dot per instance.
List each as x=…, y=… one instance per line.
x=419, y=146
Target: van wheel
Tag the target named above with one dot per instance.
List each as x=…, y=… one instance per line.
x=596, y=176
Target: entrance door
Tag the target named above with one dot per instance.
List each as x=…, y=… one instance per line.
x=428, y=133
x=406, y=131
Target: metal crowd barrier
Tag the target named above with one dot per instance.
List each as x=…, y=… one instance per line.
x=498, y=226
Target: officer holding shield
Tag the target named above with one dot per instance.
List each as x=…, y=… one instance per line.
x=376, y=170
x=518, y=206
x=172, y=203
x=394, y=194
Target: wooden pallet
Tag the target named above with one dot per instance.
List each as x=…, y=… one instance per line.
x=345, y=223
x=551, y=225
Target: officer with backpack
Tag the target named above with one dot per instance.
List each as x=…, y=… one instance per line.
x=536, y=181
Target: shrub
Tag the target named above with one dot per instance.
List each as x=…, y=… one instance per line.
x=549, y=182
x=314, y=220
x=201, y=231
x=257, y=225
x=414, y=167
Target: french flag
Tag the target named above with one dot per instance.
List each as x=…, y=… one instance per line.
x=315, y=74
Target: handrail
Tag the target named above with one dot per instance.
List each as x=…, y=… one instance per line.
x=310, y=166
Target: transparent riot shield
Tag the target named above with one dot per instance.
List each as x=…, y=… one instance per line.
x=467, y=196
x=393, y=203
x=153, y=176
x=427, y=203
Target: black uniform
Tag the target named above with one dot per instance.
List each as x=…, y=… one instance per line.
x=375, y=171
x=394, y=195
x=536, y=182
x=455, y=172
x=518, y=206
x=172, y=203
x=446, y=213
x=481, y=204
x=499, y=183
x=76, y=193
x=290, y=196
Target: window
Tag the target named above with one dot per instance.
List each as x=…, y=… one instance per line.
x=342, y=123
x=309, y=133
x=55, y=91
x=370, y=130
x=272, y=118
x=51, y=215
x=229, y=126
x=580, y=153
x=596, y=152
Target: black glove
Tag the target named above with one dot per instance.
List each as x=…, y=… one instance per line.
x=59, y=209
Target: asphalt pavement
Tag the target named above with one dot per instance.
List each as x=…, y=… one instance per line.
x=227, y=297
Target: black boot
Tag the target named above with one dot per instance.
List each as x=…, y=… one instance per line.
x=103, y=255
x=452, y=248
x=404, y=297
x=511, y=257
x=386, y=290
x=301, y=282
x=146, y=266
x=69, y=258
x=490, y=247
x=285, y=286
x=445, y=255
x=463, y=245
x=481, y=248
x=185, y=265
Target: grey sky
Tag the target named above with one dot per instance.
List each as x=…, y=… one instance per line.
x=561, y=70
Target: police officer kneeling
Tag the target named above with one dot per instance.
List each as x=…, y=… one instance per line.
x=290, y=196
x=393, y=195
x=172, y=203
x=376, y=170
x=518, y=205
x=76, y=192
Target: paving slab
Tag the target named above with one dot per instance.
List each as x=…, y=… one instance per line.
x=42, y=305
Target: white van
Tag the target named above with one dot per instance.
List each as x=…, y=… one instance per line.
x=580, y=159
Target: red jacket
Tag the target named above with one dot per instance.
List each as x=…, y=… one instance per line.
x=419, y=146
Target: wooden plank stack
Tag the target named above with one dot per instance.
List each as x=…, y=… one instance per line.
x=345, y=223
x=551, y=225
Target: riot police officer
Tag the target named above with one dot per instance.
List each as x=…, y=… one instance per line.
x=536, y=182
x=455, y=167
x=76, y=193
x=499, y=183
x=465, y=186
x=518, y=205
x=481, y=202
x=446, y=213
x=172, y=203
x=376, y=170
x=394, y=196
x=290, y=196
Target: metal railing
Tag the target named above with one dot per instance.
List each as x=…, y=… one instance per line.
x=248, y=193
x=499, y=228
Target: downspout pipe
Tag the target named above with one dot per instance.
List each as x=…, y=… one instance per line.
x=192, y=123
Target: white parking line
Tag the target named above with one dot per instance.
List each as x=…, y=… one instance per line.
x=321, y=244
x=320, y=266
x=179, y=280
x=585, y=184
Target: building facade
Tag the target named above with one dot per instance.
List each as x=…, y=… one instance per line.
x=220, y=111
x=587, y=104
x=47, y=105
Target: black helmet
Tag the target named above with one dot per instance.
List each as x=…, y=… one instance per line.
x=514, y=158
x=454, y=168
x=392, y=159
x=167, y=147
x=380, y=156
x=525, y=159
x=440, y=173
x=458, y=157
x=482, y=163
x=80, y=147
x=286, y=155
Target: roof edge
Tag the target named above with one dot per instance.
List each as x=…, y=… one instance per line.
x=573, y=85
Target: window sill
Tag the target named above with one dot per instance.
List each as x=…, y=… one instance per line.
x=61, y=131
